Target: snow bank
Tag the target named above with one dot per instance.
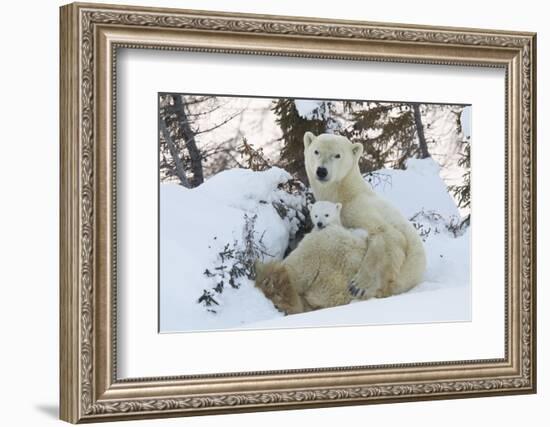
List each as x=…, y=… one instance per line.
x=196, y=224
x=417, y=188
x=422, y=197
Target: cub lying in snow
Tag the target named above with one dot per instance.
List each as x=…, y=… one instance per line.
x=316, y=274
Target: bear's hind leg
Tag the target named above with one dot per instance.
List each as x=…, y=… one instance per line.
x=274, y=281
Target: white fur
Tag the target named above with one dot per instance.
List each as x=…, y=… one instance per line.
x=360, y=232
x=325, y=213
x=315, y=274
x=395, y=259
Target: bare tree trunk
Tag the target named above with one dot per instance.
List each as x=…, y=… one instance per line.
x=180, y=170
x=190, y=142
x=420, y=132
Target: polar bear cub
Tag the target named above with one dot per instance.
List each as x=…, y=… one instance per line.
x=325, y=213
x=315, y=274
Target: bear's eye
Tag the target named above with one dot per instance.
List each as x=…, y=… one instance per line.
x=316, y=216
x=316, y=152
x=326, y=215
x=337, y=156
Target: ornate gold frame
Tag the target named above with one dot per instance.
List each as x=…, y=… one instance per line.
x=90, y=35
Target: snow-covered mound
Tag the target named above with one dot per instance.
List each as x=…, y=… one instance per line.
x=204, y=230
x=417, y=188
x=197, y=224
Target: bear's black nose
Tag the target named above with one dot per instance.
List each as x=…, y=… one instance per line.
x=320, y=224
x=322, y=172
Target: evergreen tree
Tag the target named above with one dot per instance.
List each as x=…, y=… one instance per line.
x=462, y=191
x=390, y=133
x=253, y=158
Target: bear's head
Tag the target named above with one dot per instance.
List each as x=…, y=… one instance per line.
x=325, y=213
x=329, y=158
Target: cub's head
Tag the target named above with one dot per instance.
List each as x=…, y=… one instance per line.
x=329, y=158
x=325, y=213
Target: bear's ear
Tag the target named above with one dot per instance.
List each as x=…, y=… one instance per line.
x=357, y=149
x=338, y=206
x=308, y=138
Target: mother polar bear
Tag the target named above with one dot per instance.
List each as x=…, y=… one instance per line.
x=395, y=260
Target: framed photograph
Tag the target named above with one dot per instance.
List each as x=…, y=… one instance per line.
x=267, y=212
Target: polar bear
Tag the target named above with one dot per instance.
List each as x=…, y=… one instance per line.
x=315, y=274
x=395, y=261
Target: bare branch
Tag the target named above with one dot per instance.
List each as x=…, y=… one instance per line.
x=220, y=124
x=204, y=113
x=192, y=100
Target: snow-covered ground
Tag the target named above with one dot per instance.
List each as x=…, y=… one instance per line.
x=197, y=224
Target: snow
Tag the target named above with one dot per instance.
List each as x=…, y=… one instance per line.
x=431, y=304
x=196, y=224
x=250, y=186
x=418, y=187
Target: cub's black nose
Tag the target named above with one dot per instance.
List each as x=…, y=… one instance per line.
x=320, y=224
x=322, y=172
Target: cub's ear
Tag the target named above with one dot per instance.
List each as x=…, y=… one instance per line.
x=308, y=138
x=338, y=206
x=357, y=149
